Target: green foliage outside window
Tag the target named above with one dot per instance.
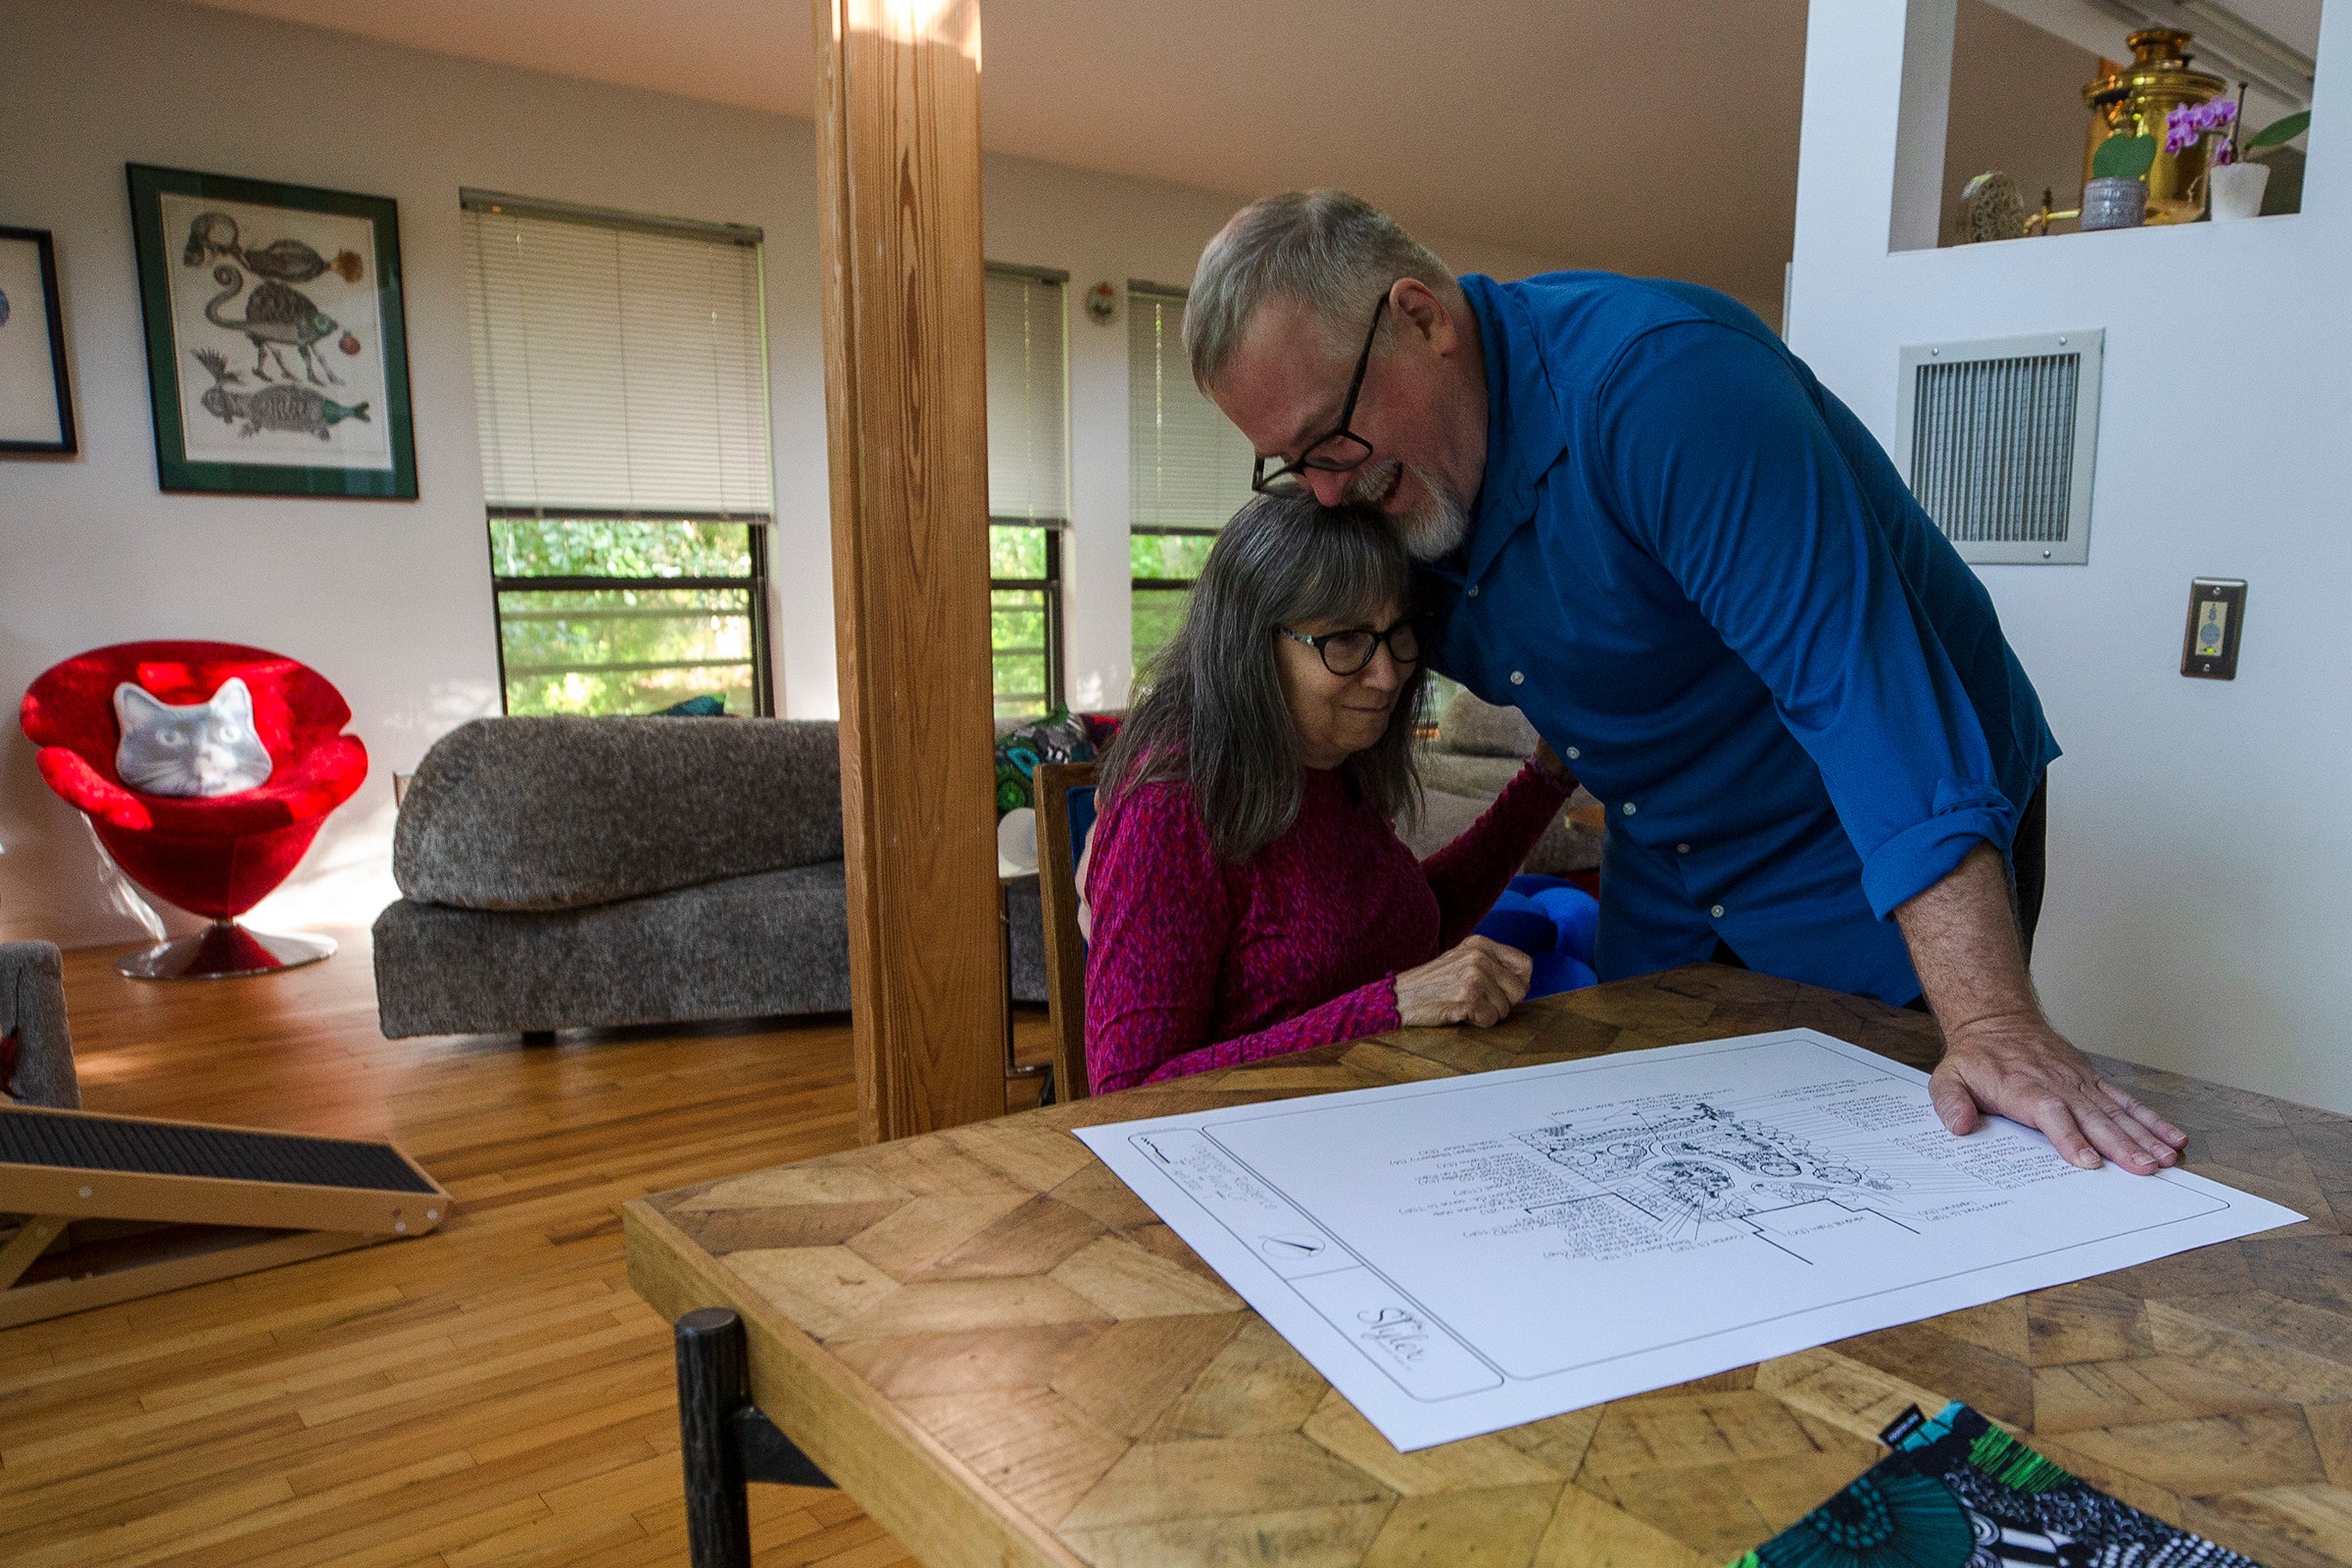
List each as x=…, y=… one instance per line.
x=627, y=649
x=596, y=547
x=1017, y=630
x=1168, y=554
x=1015, y=552
x=1156, y=614
x=1018, y=639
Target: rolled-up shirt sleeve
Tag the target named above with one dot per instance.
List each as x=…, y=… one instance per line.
x=1727, y=473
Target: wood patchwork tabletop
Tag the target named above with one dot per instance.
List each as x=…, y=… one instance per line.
x=997, y=1350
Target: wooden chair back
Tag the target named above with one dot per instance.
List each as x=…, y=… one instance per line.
x=1065, y=945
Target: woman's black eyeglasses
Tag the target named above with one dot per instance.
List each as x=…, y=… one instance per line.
x=1347, y=652
x=1339, y=451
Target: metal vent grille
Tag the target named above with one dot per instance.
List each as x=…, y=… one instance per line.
x=2000, y=436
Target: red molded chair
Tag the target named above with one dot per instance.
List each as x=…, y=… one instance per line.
x=216, y=857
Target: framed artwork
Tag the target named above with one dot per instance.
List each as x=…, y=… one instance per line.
x=36, y=407
x=278, y=357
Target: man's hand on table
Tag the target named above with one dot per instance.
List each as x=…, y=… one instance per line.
x=2022, y=1068
x=2000, y=1055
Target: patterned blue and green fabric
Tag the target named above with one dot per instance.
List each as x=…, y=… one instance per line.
x=1058, y=737
x=1959, y=1493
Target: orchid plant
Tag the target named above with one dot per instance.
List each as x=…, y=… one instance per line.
x=2190, y=123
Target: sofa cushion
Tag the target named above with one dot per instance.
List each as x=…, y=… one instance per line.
x=747, y=947
x=1481, y=729
x=1445, y=816
x=559, y=813
x=1462, y=773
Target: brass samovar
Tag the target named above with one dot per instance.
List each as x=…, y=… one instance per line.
x=2134, y=100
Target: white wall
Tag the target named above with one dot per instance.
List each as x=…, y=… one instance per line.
x=391, y=600
x=2200, y=841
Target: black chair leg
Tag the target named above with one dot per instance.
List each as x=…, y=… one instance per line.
x=726, y=1440
x=712, y=1388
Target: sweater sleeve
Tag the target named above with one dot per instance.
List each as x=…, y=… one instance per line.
x=1162, y=919
x=1469, y=874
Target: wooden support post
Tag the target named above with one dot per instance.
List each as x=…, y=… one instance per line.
x=898, y=136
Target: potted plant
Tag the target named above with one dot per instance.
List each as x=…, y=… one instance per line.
x=2231, y=189
x=2234, y=183
x=2116, y=196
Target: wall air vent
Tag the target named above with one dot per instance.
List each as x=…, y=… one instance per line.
x=1999, y=436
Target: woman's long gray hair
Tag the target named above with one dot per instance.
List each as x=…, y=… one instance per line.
x=1214, y=715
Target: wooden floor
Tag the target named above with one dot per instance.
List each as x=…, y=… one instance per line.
x=493, y=1393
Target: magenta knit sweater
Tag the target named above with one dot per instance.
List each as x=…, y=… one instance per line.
x=1195, y=963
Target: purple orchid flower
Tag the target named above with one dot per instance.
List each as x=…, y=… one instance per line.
x=2189, y=123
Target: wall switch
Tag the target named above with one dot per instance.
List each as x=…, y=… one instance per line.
x=2217, y=611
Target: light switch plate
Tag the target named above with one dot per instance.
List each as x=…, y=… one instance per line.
x=2217, y=615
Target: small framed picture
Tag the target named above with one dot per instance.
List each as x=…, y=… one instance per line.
x=36, y=407
x=278, y=358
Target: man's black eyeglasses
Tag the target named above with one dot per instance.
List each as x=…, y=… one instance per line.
x=1347, y=652
x=1339, y=451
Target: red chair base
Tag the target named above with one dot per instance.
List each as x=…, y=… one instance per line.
x=224, y=951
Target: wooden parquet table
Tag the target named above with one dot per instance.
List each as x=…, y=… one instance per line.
x=997, y=1350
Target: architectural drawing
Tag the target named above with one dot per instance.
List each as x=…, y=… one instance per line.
x=1461, y=1254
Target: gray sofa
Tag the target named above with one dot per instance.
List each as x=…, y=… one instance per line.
x=1478, y=749
x=565, y=873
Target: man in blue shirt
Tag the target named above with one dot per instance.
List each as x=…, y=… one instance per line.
x=1647, y=526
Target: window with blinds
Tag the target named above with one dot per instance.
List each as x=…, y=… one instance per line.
x=1028, y=482
x=620, y=386
x=1188, y=468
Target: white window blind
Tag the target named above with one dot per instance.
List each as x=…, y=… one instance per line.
x=618, y=366
x=1028, y=411
x=1188, y=466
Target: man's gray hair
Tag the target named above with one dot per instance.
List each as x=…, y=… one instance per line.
x=1327, y=250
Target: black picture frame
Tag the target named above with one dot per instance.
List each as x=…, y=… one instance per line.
x=45, y=251
x=166, y=283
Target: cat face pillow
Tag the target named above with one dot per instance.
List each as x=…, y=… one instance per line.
x=196, y=752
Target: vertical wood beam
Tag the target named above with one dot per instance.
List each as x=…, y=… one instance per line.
x=898, y=136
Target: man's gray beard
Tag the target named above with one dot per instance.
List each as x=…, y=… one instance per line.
x=1432, y=529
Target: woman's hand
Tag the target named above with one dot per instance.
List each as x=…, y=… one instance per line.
x=1548, y=762
x=1479, y=982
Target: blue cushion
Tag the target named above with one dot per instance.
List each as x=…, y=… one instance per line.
x=1556, y=972
x=1528, y=884
x=1528, y=930
x=1082, y=819
x=1577, y=914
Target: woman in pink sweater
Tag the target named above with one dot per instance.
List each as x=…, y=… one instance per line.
x=1248, y=894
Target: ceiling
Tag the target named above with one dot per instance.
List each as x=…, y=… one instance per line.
x=1654, y=138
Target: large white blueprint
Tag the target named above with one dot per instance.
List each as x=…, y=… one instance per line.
x=1469, y=1253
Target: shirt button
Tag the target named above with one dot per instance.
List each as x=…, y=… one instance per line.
x=1573, y=752
x=1474, y=590
x=1629, y=808
x=1518, y=679
x=1682, y=849
x=1717, y=911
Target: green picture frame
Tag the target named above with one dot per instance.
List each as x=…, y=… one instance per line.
x=278, y=357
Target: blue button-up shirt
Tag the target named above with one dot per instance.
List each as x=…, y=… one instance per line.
x=1701, y=579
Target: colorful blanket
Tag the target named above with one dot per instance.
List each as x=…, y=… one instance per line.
x=1959, y=1493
